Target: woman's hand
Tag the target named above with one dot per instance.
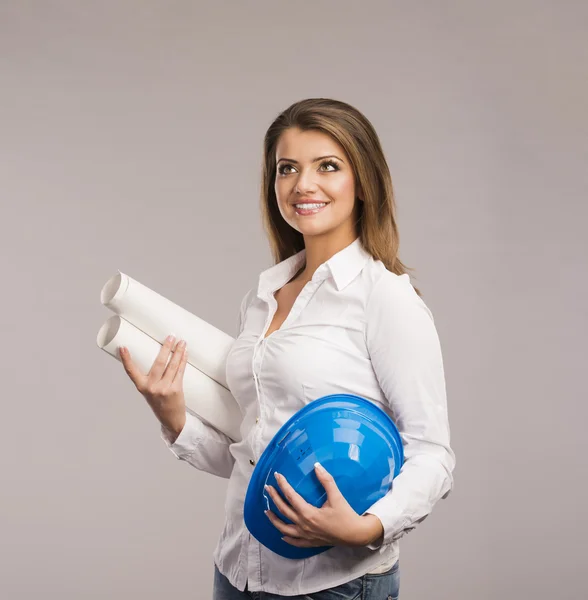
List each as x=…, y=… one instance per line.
x=162, y=387
x=334, y=523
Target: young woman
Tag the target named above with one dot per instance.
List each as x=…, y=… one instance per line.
x=336, y=313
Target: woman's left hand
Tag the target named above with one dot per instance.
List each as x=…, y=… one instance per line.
x=334, y=523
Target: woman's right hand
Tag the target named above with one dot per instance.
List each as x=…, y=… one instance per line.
x=163, y=386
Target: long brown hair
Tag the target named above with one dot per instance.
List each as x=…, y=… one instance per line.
x=376, y=225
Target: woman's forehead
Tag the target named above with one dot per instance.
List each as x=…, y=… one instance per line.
x=306, y=145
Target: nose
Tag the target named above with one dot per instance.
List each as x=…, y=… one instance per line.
x=305, y=182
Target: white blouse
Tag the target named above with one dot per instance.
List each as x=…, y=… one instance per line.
x=355, y=328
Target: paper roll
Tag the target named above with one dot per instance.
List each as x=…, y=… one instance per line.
x=204, y=397
x=157, y=316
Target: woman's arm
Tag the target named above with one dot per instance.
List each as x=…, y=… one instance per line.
x=199, y=444
x=406, y=357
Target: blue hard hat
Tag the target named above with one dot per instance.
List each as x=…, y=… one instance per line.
x=353, y=439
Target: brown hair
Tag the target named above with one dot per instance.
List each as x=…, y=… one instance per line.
x=376, y=224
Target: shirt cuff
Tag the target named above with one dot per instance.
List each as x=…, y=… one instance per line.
x=188, y=440
x=381, y=509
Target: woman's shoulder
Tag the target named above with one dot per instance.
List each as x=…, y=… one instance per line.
x=393, y=291
x=387, y=282
x=247, y=298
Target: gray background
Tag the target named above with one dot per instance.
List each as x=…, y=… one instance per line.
x=131, y=139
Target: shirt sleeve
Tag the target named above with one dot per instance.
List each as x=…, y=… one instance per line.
x=199, y=444
x=406, y=357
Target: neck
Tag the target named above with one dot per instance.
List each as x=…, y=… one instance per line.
x=319, y=249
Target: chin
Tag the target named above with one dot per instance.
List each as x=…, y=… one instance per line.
x=316, y=231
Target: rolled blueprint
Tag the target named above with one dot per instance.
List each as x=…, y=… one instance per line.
x=204, y=397
x=143, y=319
x=158, y=317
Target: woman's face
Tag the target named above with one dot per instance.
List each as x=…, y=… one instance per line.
x=303, y=177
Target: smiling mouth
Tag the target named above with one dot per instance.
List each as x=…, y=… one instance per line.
x=309, y=208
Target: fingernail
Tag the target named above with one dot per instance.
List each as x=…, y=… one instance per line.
x=170, y=338
x=319, y=466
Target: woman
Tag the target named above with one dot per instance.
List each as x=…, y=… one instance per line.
x=336, y=313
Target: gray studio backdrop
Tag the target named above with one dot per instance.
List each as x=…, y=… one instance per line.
x=130, y=138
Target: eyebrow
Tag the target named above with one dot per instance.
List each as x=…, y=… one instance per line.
x=314, y=160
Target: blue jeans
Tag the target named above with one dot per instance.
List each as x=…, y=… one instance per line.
x=372, y=586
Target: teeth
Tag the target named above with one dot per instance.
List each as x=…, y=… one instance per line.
x=309, y=206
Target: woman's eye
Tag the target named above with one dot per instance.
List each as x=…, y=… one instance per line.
x=330, y=163
x=327, y=163
x=281, y=169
